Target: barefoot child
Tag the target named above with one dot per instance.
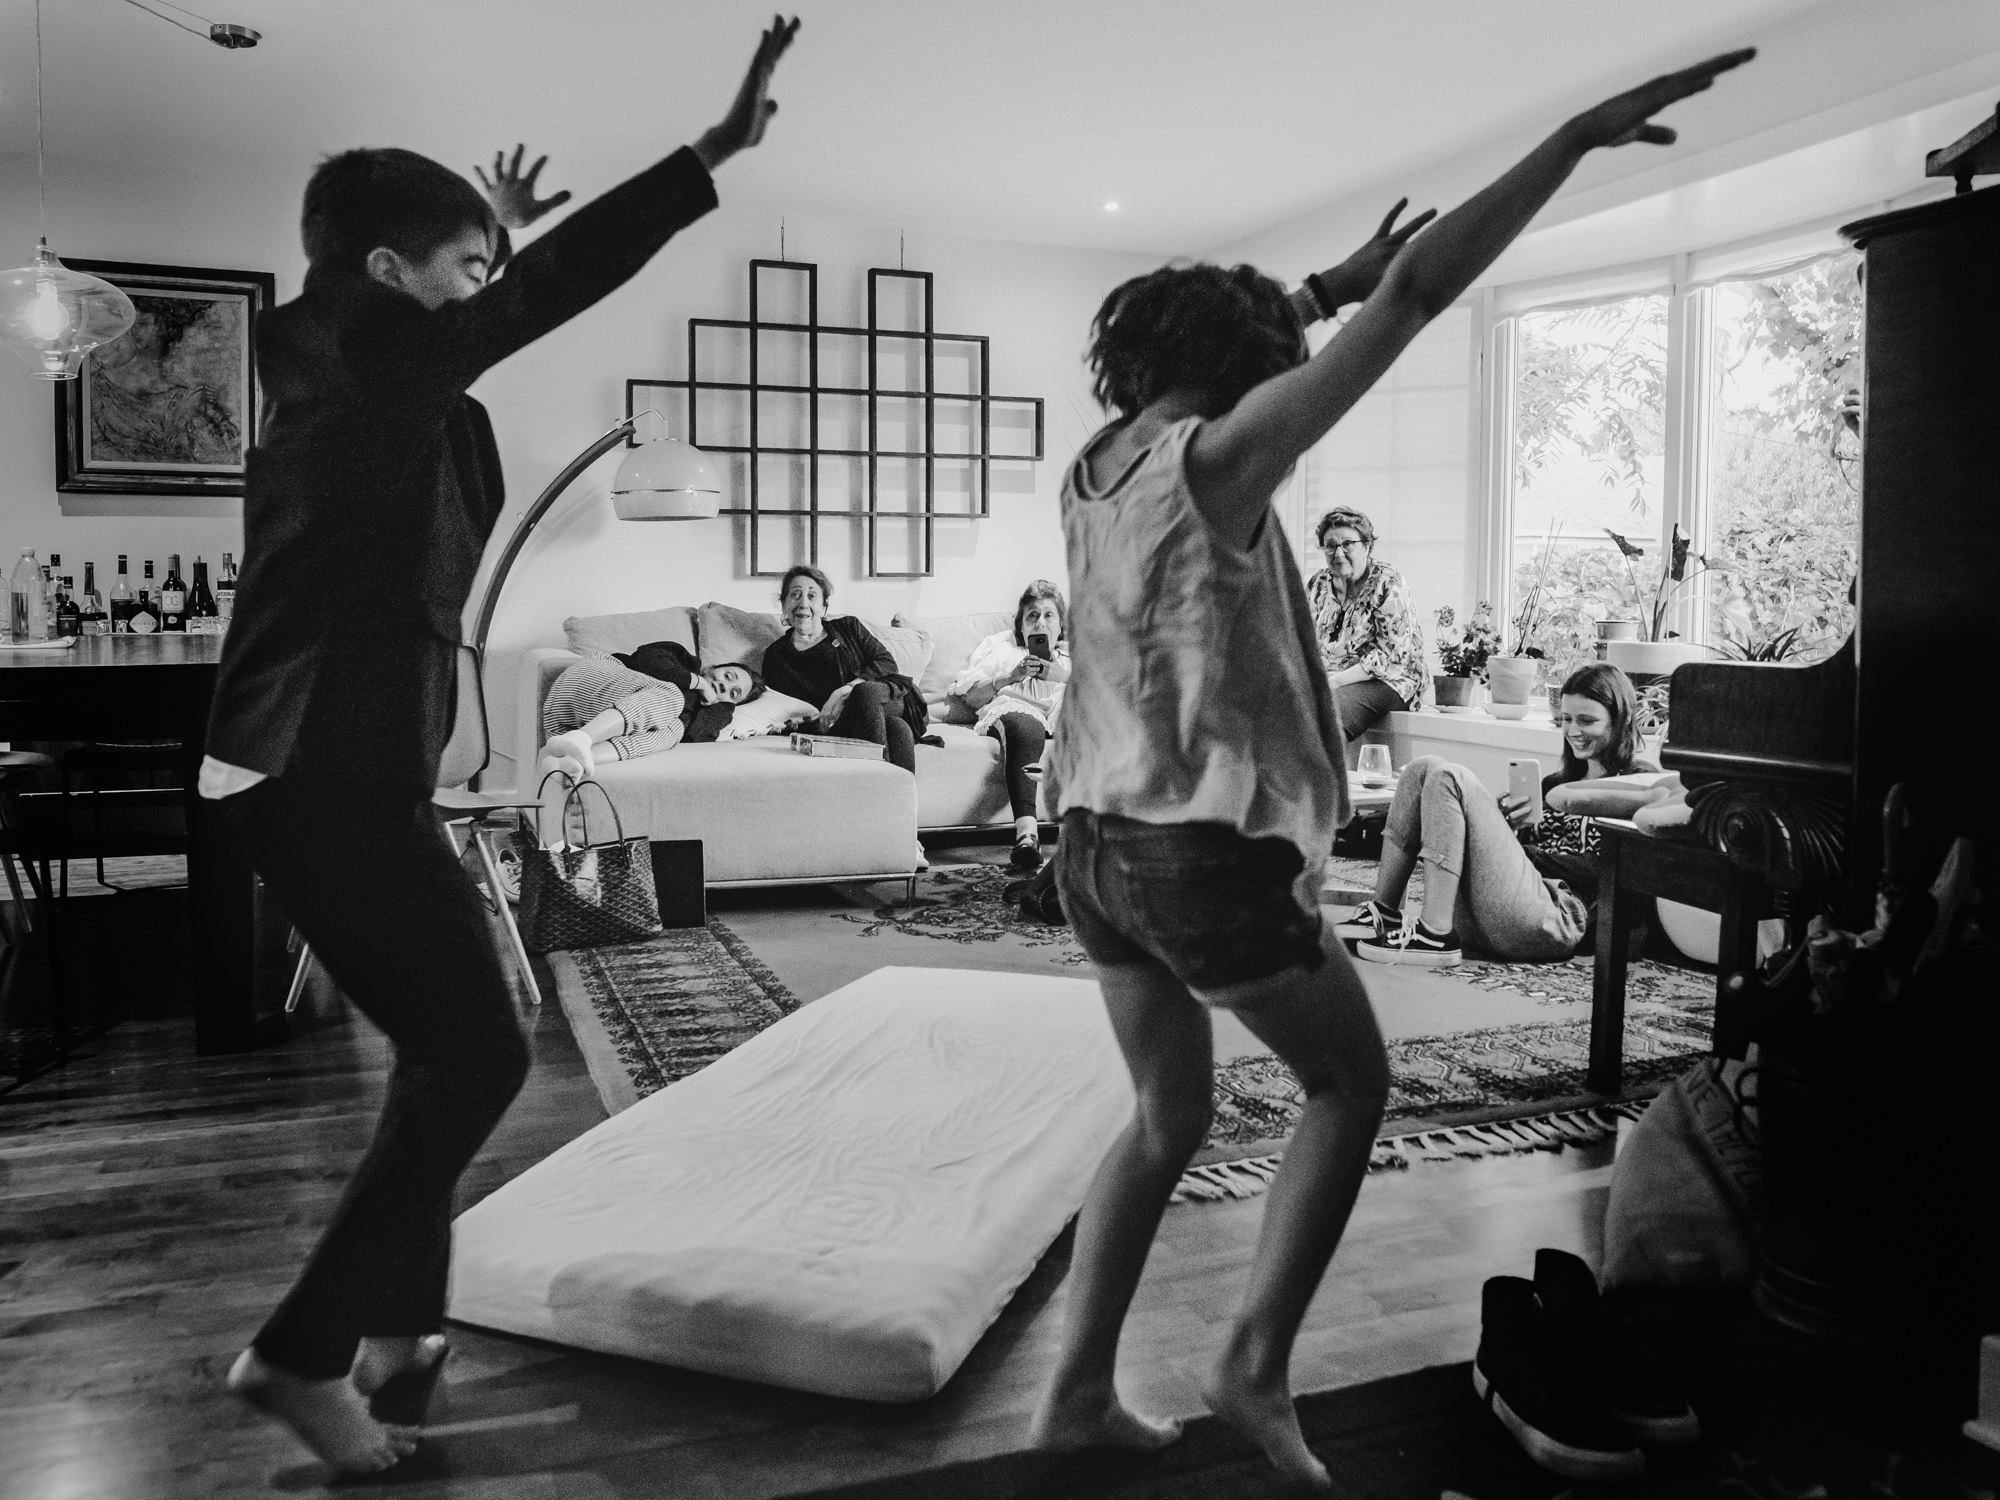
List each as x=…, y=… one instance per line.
x=1200, y=760
x=374, y=469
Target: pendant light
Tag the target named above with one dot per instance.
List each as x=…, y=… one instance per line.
x=50, y=315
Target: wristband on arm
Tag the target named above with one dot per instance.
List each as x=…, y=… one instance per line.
x=1322, y=298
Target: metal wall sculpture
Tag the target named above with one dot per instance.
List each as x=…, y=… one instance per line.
x=833, y=438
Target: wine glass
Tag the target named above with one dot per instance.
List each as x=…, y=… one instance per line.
x=1375, y=769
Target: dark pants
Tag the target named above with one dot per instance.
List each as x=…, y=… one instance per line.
x=869, y=714
x=1365, y=704
x=1022, y=739
x=366, y=876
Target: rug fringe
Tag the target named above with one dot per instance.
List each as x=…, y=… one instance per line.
x=1221, y=1181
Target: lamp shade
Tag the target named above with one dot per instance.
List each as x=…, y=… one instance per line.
x=666, y=480
x=52, y=316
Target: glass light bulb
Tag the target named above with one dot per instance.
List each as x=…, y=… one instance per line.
x=46, y=317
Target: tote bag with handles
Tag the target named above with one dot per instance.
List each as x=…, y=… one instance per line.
x=586, y=895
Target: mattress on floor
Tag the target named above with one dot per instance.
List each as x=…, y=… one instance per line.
x=843, y=1204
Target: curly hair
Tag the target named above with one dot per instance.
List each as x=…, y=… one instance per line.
x=1198, y=328
x=1609, y=687
x=807, y=570
x=1344, y=515
x=1041, y=588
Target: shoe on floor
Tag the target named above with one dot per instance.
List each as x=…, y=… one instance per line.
x=1584, y=1331
x=923, y=860
x=1027, y=855
x=1411, y=943
x=1546, y=1405
x=1371, y=919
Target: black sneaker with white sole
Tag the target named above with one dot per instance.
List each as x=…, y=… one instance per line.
x=1547, y=1407
x=1411, y=943
x=1585, y=1332
x=1371, y=919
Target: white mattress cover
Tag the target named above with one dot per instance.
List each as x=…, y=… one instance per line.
x=844, y=1204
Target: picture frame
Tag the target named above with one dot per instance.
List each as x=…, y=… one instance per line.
x=172, y=407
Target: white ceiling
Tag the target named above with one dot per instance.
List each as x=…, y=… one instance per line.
x=1008, y=119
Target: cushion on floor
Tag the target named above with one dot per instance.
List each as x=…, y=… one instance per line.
x=843, y=1204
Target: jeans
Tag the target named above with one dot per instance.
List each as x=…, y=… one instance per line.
x=1022, y=739
x=365, y=875
x=868, y=715
x=1443, y=815
x=1365, y=704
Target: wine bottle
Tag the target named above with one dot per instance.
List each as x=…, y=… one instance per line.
x=121, y=602
x=201, y=604
x=225, y=592
x=24, y=598
x=69, y=615
x=146, y=613
x=95, y=621
x=173, y=596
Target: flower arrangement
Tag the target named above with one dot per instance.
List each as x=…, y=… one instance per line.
x=1654, y=612
x=1464, y=651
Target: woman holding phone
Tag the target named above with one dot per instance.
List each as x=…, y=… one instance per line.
x=1514, y=876
x=1015, y=682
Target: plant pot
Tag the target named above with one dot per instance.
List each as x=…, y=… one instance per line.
x=1654, y=658
x=1456, y=692
x=1512, y=678
x=1617, y=630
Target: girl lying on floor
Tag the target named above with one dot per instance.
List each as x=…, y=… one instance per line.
x=639, y=704
x=1512, y=879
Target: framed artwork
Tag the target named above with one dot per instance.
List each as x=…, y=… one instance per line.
x=170, y=408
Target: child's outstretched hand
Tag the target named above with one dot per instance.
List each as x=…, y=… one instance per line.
x=1627, y=118
x=743, y=126
x=512, y=194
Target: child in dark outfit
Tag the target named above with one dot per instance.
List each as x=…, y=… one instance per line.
x=329, y=721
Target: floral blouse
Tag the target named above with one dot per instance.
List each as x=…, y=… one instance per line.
x=1374, y=627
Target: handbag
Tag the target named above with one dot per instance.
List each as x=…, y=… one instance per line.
x=586, y=895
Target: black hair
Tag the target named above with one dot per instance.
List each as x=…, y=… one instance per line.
x=1344, y=515
x=1608, y=687
x=806, y=570
x=1041, y=588
x=1199, y=328
x=360, y=199
x=756, y=679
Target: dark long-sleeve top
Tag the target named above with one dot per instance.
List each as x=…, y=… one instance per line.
x=670, y=661
x=375, y=484
x=848, y=650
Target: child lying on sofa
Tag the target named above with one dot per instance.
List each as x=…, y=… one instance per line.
x=639, y=703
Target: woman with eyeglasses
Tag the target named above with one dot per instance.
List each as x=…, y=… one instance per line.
x=1369, y=641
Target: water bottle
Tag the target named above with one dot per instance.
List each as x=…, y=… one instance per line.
x=26, y=616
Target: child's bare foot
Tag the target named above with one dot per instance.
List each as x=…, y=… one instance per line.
x=1098, y=1422
x=1262, y=1410
x=328, y=1416
x=380, y=1360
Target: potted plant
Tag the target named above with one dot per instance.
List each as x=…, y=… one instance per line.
x=1463, y=653
x=1512, y=678
x=1656, y=650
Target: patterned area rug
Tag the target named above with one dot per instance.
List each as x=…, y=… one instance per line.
x=1646, y=983
x=963, y=904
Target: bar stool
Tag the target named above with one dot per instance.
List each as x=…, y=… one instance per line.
x=93, y=762
x=21, y=850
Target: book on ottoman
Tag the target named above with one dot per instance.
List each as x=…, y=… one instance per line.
x=838, y=745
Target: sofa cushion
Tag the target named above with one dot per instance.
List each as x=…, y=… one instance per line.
x=910, y=646
x=765, y=713
x=959, y=783
x=953, y=640
x=600, y=635
x=729, y=634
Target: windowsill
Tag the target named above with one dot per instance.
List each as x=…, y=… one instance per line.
x=1536, y=732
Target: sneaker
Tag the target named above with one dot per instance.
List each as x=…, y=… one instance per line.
x=1585, y=1332
x=1545, y=1405
x=1371, y=919
x=1411, y=943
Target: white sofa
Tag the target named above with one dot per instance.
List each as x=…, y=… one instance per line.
x=768, y=816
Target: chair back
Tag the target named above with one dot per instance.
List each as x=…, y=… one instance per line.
x=471, y=745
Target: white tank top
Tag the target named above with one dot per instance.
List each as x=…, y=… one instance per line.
x=1196, y=693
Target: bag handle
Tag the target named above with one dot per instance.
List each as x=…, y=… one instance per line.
x=573, y=792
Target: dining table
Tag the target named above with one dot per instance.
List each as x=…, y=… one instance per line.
x=157, y=686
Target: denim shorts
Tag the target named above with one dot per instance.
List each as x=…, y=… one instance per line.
x=1207, y=904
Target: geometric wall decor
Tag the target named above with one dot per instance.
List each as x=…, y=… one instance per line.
x=893, y=425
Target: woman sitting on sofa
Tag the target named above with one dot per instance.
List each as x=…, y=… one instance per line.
x=1369, y=640
x=638, y=704
x=1482, y=883
x=839, y=667
x=1014, y=682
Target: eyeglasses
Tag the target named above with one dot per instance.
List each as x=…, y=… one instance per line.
x=1355, y=545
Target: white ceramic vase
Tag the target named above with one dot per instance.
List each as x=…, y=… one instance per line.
x=1512, y=678
x=1654, y=658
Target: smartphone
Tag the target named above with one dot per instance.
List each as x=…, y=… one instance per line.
x=1038, y=645
x=1524, y=784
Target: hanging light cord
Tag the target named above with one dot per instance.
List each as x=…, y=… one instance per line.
x=204, y=35
x=41, y=165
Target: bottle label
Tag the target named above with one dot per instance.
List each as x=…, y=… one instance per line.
x=144, y=622
x=173, y=601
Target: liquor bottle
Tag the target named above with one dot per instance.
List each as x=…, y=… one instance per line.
x=69, y=615
x=173, y=596
x=146, y=613
x=24, y=598
x=95, y=620
x=121, y=602
x=201, y=616
x=49, y=595
x=225, y=592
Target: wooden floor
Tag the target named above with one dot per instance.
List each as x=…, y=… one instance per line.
x=153, y=1206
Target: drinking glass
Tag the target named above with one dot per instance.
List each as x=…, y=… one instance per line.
x=1375, y=769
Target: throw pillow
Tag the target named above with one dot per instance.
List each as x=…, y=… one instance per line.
x=910, y=646
x=953, y=640
x=766, y=714
x=601, y=635
x=731, y=635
